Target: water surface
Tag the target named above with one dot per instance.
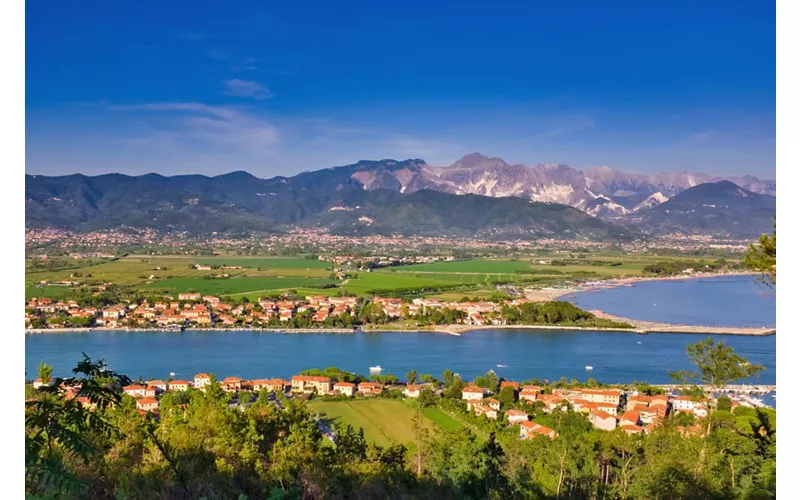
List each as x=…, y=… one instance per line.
x=616, y=357
x=717, y=301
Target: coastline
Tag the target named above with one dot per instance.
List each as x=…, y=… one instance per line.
x=542, y=295
x=548, y=294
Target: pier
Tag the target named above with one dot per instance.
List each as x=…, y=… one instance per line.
x=645, y=327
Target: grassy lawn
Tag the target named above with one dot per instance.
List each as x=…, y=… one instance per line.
x=442, y=419
x=240, y=285
x=384, y=420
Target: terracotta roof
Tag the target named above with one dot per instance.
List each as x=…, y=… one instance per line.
x=601, y=414
x=147, y=401
x=202, y=375
x=631, y=416
x=344, y=384
x=179, y=382
x=472, y=388
x=133, y=388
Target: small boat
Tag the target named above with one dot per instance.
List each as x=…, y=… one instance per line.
x=375, y=368
x=502, y=366
x=589, y=368
x=171, y=374
x=638, y=342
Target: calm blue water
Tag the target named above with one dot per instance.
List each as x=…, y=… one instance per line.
x=721, y=301
x=616, y=356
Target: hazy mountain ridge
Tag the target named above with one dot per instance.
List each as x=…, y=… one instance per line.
x=719, y=208
x=241, y=201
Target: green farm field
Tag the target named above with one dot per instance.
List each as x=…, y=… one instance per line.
x=484, y=266
x=384, y=420
x=233, y=286
x=267, y=275
x=266, y=262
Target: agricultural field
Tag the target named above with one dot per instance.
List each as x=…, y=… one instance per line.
x=483, y=266
x=269, y=275
x=233, y=286
x=384, y=420
x=266, y=262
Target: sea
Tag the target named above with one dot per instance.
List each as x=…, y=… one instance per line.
x=713, y=301
x=614, y=357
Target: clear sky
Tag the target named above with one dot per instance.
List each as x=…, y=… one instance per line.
x=282, y=87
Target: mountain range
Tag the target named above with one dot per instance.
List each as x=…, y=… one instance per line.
x=475, y=195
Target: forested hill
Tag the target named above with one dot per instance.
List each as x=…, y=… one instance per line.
x=240, y=202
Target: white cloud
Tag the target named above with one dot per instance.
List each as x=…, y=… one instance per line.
x=220, y=125
x=247, y=88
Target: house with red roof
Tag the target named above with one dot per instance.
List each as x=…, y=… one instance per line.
x=147, y=404
x=370, y=388
x=412, y=390
x=631, y=429
x=231, y=384
x=306, y=384
x=134, y=390
x=530, y=429
x=344, y=388
x=630, y=417
x=488, y=412
x=178, y=385
x=509, y=383
x=516, y=416
x=201, y=380
x=472, y=392
x=602, y=420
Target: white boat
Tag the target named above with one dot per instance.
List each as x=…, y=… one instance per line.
x=589, y=368
x=171, y=374
x=502, y=366
x=638, y=342
x=375, y=368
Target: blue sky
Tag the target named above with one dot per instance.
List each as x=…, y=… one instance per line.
x=211, y=87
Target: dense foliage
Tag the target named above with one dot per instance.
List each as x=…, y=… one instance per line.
x=763, y=257
x=207, y=445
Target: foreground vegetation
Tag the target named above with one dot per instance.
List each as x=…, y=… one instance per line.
x=203, y=446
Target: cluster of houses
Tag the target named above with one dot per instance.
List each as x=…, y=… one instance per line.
x=193, y=309
x=606, y=409
x=477, y=313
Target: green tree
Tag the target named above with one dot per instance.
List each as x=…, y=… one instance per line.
x=45, y=372
x=507, y=396
x=58, y=426
x=762, y=257
x=717, y=365
x=411, y=376
x=426, y=397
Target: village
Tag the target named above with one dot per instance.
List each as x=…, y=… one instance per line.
x=607, y=409
x=195, y=310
